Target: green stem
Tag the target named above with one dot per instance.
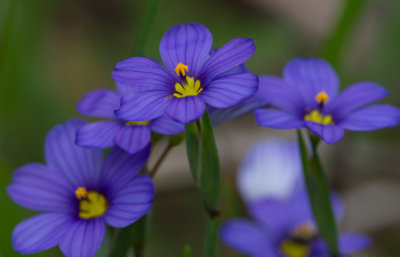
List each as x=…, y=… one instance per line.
x=319, y=193
x=335, y=43
x=147, y=27
x=211, y=236
x=164, y=154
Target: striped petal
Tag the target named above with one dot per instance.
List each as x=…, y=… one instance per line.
x=40, y=232
x=354, y=97
x=280, y=94
x=186, y=109
x=329, y=133
x=272, y=118
x=133, y=138
x=79, y=165
x=39, y=188
x=188, y=44
x=119, y=168
x=83, y=238
x=248, y=105
x=372, y=118
x=227, y=91
x=143, y=74
x=310, y=76
x=99, y=103
x=98, y=134
x=232, y=54
x=166, y=126
x=142, y=106
x=131, y=202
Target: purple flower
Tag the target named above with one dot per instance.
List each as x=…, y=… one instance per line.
x=307, y=97
x=78, y=193
x=272, y=186
x=131, y=136
x=284, y=229
x=192, y=80
x=271, y=168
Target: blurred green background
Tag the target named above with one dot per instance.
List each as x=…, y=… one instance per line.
x=53, y=51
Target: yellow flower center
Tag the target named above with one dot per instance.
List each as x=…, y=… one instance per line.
x=92, y=204
x=137, y=123
x=181, y=69
x=317, y=117
x=322, y=97
x=188, y=88
x=291, y=248
x=297, y=244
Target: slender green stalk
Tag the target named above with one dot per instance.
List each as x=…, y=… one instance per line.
x=147, y=27
x=335, y=43
x=204, y=163
x=319, y=193
x=211, y=236
x=164, y=154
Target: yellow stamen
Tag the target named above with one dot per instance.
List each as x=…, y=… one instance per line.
x=305, y=231
x=293, y=249
x=190, y=88
x=317, y=117
x=137, y=123
x=322, y=97
x=95, y=205
x=181, y=69
x=81, y=193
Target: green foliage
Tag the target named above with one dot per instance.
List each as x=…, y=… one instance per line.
x=319, y=193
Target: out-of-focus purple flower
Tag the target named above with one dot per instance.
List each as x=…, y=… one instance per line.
x=307, y=97
x=271, y=168
x=78, y=193
x=285, y=228
x=283, y=224
x=194, y=77
x=131, y=136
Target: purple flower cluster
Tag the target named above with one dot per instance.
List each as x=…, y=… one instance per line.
x=79, y=192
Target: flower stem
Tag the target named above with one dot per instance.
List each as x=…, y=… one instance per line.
x=164, y=154
x=335, y=43
x=211, y=235
x=319, y=193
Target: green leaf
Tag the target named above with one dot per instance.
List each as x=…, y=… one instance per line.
x=147, y=27
x=192, y=148
x=204, y=163
x=319, y=194
x=133, y=236
x=187, y=251
x=208, y=166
